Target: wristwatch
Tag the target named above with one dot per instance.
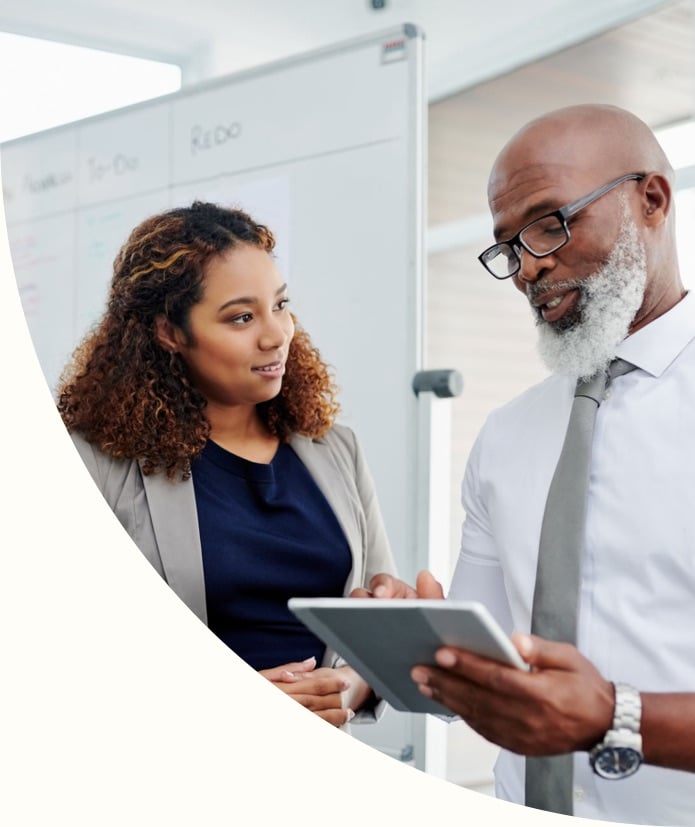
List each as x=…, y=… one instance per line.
x=619, y=755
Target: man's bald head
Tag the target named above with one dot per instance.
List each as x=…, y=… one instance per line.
x=600, y=141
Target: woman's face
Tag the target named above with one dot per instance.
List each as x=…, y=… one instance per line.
x=240, y=331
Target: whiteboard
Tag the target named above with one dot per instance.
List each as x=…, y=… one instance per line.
x=327, y=149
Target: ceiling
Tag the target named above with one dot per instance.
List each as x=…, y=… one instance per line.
x=489, y=67
x=467, y=41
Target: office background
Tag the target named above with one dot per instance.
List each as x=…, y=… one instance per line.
x=489, y=69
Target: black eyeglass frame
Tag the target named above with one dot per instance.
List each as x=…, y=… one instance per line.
x=563, y=213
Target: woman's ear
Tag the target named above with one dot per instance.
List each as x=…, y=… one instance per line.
x=167, y=333
x=656, y=200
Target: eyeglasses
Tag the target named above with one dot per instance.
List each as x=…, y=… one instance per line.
x=542, y=236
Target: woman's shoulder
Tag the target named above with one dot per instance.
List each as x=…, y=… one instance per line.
x=106, y=470
x=342, y=434
x=340, y=442
x=90, y=454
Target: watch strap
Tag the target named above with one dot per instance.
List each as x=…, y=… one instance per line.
x=619, y=753
x=627, y=715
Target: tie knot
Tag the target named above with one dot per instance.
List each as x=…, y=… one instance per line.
x=619, y=367
x=595, y=386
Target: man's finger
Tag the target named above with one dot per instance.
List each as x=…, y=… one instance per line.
x=546, y=654
x=384, y=586
x=360, y=592
x=428, y=587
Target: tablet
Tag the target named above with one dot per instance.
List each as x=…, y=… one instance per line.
x=383, y=639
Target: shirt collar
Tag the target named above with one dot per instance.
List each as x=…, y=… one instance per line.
x=656, y=345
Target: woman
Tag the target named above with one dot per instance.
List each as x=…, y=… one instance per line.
x=207, y=420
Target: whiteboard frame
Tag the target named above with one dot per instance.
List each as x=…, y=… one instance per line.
x=417, y=510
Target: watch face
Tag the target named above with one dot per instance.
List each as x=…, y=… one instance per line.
x=616, y=762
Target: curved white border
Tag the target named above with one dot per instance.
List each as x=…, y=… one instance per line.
x=119, y=706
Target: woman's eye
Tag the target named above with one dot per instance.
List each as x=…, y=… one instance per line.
x=243, y=318
x=282, y=304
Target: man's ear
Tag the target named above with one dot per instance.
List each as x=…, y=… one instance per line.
x=656, y=199
x=167, y=333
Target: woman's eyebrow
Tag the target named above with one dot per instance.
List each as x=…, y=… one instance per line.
x=248, y=299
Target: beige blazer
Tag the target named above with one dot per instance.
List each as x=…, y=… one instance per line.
x=160, y=514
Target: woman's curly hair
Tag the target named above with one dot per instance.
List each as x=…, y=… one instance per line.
x=126, y=394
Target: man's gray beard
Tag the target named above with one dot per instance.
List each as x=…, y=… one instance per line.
x=608, y=302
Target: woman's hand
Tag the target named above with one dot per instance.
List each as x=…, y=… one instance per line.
x=322, y=690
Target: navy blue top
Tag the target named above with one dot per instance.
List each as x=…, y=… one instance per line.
x=267, y=534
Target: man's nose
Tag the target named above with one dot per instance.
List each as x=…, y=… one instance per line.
x=530, y=268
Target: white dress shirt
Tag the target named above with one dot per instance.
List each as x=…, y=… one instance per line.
x=637, y=602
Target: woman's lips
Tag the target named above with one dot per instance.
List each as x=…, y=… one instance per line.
x=271, y=371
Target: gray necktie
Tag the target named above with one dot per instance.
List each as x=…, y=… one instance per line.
x=549, y=779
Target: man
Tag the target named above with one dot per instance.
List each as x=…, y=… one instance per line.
x=602, y=280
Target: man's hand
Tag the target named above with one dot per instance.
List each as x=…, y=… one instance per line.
x=385, y=586
x=561, y=705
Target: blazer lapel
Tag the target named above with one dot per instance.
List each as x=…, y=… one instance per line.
x=320, y=463
x=175, y=521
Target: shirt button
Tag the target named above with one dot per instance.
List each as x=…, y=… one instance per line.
x=579, y=794
x=607, y=394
